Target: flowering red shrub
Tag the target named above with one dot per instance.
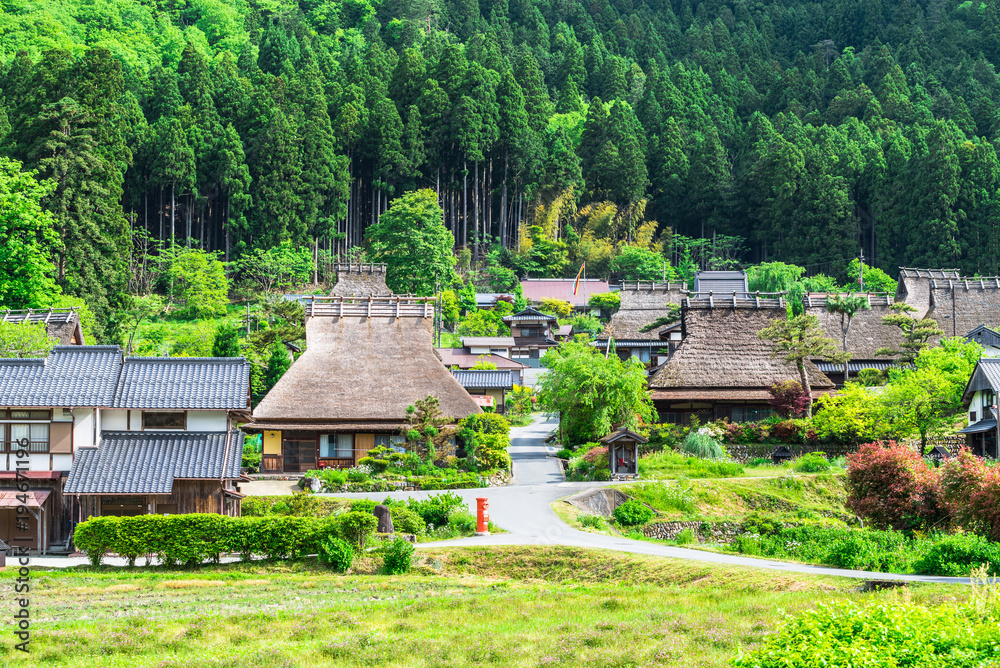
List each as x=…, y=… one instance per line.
x=971, y=490
x=596, y=455
x=788, y=399
x=786, y=432
x=889, y=485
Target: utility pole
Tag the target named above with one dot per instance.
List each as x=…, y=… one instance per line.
x=862, y=274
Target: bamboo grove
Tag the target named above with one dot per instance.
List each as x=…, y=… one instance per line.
x=811, y=130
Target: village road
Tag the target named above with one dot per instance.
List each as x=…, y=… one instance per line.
x=524, y=510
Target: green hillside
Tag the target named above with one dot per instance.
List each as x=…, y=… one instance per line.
x=792, y=131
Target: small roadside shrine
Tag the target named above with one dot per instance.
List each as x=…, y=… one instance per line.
x=623, y=452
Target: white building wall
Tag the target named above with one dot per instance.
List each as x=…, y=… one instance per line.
x=207, y=421
x=135, y=422
x=83, y=431
x=114, y=420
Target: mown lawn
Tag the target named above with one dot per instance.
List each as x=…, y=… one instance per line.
x=515, y=606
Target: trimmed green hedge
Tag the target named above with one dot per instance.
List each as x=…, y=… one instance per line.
x=193, y=539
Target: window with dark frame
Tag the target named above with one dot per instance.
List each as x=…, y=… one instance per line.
x=164, y=420
x=988, y=400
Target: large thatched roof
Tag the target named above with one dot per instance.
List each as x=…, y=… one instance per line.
x=959, y=305
x=867, y=332
x=358, y=369
x=360, y=280
x=914, y=286
x=642, y=304
x=722, y=357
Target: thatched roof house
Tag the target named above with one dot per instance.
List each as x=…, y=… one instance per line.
x=367, y=359
x=60, y=323
x=914, y=286
x=961, y=304
x=866, y=335
x=722, y=369
x=642, y=304
x=360, y=280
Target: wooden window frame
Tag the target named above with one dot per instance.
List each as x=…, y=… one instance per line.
x=148, y=428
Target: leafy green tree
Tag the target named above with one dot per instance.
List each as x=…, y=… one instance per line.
x=19, y=340
x=520, y=301
x=411, y=239
x=282, y=266
x=450, y=311
x=875, y=279
x=798, y=340
x=278, y=363
x=854, y=414
x=557, y=307
x=636, y=263
x=198, y=280
x=922, y=401
x=136, y=310
x=605, y=301
x=593, y=393
x=482, y=323
x=226, y=342
x=27, y=240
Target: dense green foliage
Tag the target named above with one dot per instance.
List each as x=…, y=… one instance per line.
x=193, y=539
x=237, y=126
x=948, y=635
x=592, y=392
x=632, y=513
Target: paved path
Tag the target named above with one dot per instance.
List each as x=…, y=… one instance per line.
x=524, y=509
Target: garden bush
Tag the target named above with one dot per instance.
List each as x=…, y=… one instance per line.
x=632, y=513
x=336, y=553
x=97, y=536
x=811, y=462
x=564, y=454
x=970, y=488
x=435, y=509
x=397, y=557
x=363, y=505
x=958, y=555
x=891, y=486
x=355, y=527
x=703, y=446
x=405, y=520
x=596, y=455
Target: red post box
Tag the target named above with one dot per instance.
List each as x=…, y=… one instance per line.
x=482, y=516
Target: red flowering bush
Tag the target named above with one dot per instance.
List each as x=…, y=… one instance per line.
x=890, y=485
x=971, y=490
x=786, y=432
x=788, y=399
x=597, y=456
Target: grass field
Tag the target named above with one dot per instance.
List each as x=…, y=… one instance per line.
x=460, y=607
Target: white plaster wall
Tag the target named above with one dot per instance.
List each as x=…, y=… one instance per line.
x=207, y=421
x=83, y=431
x=136, y=421
x=114, y=420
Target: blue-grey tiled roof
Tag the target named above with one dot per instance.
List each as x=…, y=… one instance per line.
x=149, y=462
x=183, y=383
x=69, y=376
x=487, y=379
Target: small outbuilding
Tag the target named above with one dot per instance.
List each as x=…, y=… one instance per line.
x=623, y=452
x=781, y=455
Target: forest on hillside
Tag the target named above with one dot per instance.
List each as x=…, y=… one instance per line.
x=554, y=132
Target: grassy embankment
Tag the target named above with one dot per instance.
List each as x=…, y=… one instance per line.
x=784, y=496
x=512, y=606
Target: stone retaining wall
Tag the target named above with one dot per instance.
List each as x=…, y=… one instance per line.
x=705, y=532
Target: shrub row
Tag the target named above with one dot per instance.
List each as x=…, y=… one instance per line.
x=196, y=538
x=872, y=550
x=891, y=485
